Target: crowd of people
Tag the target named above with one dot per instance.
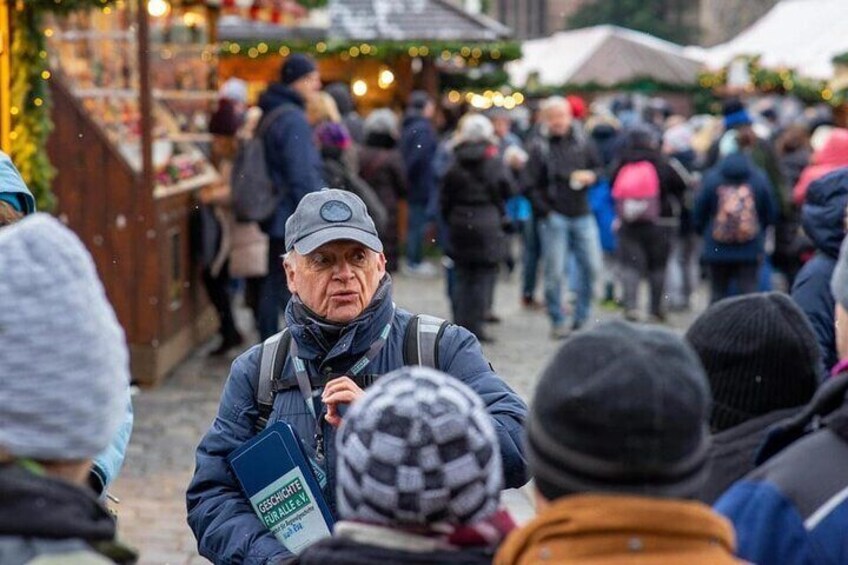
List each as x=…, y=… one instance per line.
x=640, y=445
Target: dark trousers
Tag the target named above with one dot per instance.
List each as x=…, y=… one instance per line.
x=273, y=291
x=745, y=275
x=472, y=289
x=643, y=252
x=217, y=288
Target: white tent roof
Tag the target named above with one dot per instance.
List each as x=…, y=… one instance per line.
x=800, y=34
x=605, y=55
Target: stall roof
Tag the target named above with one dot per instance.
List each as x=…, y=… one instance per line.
x=800, y=34
x=605, y=55
x=404, y=20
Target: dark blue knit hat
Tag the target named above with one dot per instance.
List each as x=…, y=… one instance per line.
x=296, y=67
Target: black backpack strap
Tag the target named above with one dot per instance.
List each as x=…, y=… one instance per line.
x=266, y=120
x=275, y=349
x=421, y=340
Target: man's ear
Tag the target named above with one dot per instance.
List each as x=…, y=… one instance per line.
x=291, y=272
x=381, y=264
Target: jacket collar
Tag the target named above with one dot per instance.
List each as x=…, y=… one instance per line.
x=582, y=521
x=317, y=338
x=278, y=94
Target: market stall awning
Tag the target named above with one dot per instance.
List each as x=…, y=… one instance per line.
x=800, y=34
x=603, y=55
x=404, y=20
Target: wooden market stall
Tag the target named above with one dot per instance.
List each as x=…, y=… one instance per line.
x=128, y=152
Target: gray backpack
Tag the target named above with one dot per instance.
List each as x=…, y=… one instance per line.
x=420, y=347
x=254, y=195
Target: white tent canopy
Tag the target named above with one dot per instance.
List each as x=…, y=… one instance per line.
x=606, y=55
x=800, y=34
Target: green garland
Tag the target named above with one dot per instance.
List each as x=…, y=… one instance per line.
x=30, y=96
x=640, y=84
x=841, y=59
x=472, y=52
x=782, y=81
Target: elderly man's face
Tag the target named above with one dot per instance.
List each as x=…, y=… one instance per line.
x=337, y=280
x=558, y=118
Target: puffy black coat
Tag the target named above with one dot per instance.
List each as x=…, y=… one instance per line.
x=381, y=166
x=473, y=194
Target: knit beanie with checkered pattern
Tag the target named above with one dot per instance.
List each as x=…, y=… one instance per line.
x=64, y=365
x=760, y=354
x=418, y=449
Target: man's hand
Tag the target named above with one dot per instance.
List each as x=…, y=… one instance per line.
x=339, y=391
x=583, y=178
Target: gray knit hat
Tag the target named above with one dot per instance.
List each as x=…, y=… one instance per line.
x=620, y=409
x=419, y=448
x=64, y=364
x=382, y=122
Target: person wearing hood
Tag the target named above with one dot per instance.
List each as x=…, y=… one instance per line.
x=732, y=212
x=295, y=166
x=644, y=245
x=473, y=199
x=381, y=166
x=762, y=362
x=829, y=157
x=418, y=144
x=823, y=219
x=345, y=332
x=63, y=376
x=17, y=202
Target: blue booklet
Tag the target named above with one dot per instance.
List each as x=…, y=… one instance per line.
x=278, y=479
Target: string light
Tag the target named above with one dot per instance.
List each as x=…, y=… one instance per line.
x=359, y=87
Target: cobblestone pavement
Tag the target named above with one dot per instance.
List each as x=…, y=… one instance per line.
x=171, y=419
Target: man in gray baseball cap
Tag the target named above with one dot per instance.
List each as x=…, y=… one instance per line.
x=343, y=332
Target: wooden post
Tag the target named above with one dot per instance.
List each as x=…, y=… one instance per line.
x=5, y=77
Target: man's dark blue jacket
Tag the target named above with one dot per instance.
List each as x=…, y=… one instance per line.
x=221, y=517
x=293, y=158
x=418, y=146
x=823, y=218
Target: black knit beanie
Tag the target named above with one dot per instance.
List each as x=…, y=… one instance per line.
x=620, y=409
x=760, y=354
x=296, y=67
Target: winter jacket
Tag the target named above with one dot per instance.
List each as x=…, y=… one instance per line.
x=548, y=173
x=734, y=169
x=763, y=156
x=473, y=197
x=363, y=544
x=13, y=189
x=418, y=144
x=221, y=517
x=792, y=165
x=823, y=218
x=733, y=451
x=672, y=185
x=832, y=155
x=47, y=518
x=381, y=166
x=596, y=528
x=793, y=509
x=293, y=159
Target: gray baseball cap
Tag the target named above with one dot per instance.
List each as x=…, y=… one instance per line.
x=330, y=215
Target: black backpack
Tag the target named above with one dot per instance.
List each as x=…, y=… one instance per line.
x=420, y=347
x=254, y=195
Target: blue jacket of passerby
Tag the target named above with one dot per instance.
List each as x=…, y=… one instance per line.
x=603, y=207
x=734, y=169
x=792, y=509
x=418, y=144
x=823, y=218
x=293, y=159
x=221, y=517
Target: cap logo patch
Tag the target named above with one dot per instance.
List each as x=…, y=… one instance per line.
x=336, y=211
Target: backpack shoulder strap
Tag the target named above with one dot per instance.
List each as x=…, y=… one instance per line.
x=275, y=349
x=421, y=340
